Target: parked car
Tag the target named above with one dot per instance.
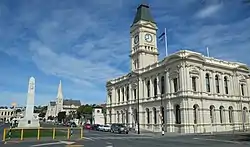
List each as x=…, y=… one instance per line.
x=95, y=126
x=106, y=128
x=119, y=128
x=100, y=128
x=87, y=126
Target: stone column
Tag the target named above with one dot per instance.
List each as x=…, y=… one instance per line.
x=167, y=87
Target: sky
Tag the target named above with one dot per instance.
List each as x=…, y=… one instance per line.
x=85, y=43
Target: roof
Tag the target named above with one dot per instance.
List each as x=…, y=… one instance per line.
x=72, y=102
x=143, y=13
x=52, y=103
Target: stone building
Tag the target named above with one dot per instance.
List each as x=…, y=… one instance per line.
x=6, y=114
x=61, y=104
x=186, y=92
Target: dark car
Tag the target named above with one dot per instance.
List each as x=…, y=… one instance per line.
x=119, y=128
x=95, y=127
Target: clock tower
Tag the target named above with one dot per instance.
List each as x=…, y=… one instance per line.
x=144, y=50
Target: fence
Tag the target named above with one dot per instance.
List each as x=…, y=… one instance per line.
x=38, y=133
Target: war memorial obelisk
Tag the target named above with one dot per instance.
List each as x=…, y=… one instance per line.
x=29, y=121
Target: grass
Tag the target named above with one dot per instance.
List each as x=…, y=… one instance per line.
x=32, y=133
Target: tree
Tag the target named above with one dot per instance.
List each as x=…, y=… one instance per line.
x=50, y=118
x=84, y=110
x=42, y=114
x=61, y=116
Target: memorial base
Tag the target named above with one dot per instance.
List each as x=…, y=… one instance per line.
x=28, y=123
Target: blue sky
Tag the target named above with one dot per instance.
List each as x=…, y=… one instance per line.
x=84, y=43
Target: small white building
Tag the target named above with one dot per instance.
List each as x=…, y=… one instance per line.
x=98, y=116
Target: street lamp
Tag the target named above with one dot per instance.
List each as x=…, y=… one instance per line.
x=138, y=102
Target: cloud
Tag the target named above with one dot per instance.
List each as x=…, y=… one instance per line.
x=208, y=11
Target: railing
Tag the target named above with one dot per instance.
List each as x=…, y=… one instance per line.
x=38, y=133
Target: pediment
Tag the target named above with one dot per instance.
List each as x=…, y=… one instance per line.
x=195, y=57
x=172, y=58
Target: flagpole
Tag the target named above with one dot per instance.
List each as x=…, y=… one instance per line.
x=207, y=52
x=166, y=41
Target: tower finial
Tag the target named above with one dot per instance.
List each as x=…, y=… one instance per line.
x=59, y=91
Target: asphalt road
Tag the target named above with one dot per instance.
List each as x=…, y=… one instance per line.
x=106, y=139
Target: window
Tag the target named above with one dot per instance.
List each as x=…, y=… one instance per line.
x=155, y=87
x=194, y=83
x=135, y=94
x=196, y=113
x=244, y=117
x=155, y=115
x=230, y=113
x=242, y=89
x=29, y=122
x=163, y=115
x=175, y=80
x=162, y=85
x=123, y=94
x=212, y=113
x=226, y=85
x=207, y=82
x=126, y=116
x=110, y=98
x=217, y=84
x=110, y=117
x=177, y=114
x=148, y=88
x=127, y=93
x=148, y=118
x=222, y=111
x=119, y=96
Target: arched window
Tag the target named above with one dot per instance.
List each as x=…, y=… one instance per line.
x=242, y=89
x=135, y=94
x=135, y=115
x=196, y=113
x=148, y=88
x=126, y=113
x=118, y=117
x=163, y=114
x=122, y=115
x=110, y=116
x=222, y=114
x=230, y=114
x=155, y=115
x=162, y=85
x=127, y=93
x=177, y=114
x=207, y=82
x=244, y=117
x=217, y=83
x=194, y=83
x=123, y=94
x=155, y=87
x=175, y=81
x=119, y=96
x=226, y=85
x=212, y=113
x=147, y=115
x=110, y=99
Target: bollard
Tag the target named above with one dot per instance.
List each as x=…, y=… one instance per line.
x=38, y=134
x=21, y=134
x=4, y=134
x=54, y=133
x=81, y=135
x=68, y=135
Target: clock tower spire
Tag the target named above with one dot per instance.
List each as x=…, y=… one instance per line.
x=144, y=50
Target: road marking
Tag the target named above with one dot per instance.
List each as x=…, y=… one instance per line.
x=226, y=141
x=108, y=142
x=88, y=138
x=74, y=145
x=54, y=143
x=109, y=146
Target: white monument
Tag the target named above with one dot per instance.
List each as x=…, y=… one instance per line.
x=29, y=120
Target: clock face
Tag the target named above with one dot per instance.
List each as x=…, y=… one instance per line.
x=136, y=39
x=148, y=38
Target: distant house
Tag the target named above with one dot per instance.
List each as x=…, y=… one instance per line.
x=98, y=115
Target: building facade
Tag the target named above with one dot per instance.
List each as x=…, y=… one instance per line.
x=61, y=104
x=186, y=92
x=98, y=116
x=7, y=114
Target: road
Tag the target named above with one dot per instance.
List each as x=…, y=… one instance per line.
x=106, y=139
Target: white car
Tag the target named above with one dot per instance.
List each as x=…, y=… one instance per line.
x=106, y=128
x=100, y=128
